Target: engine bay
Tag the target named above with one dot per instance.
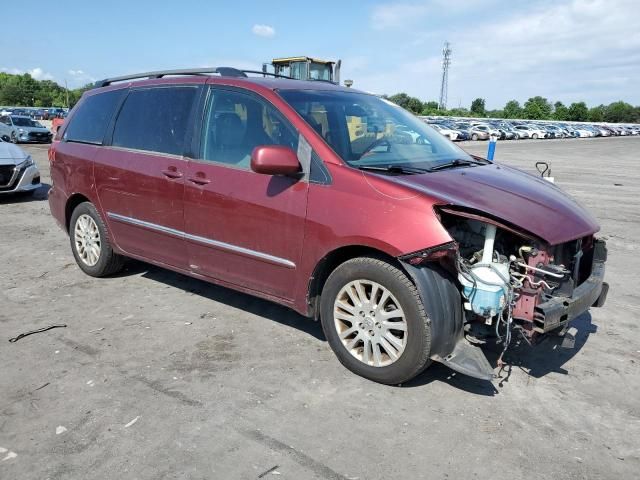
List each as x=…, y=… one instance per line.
x=504, y=276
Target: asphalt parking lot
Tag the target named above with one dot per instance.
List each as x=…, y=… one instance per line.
x=161, y=376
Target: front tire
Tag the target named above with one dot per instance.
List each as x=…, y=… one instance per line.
x=90, y=243
x=375, y=322
x=474, y=137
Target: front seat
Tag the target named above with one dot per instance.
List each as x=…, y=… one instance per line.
x=228, y=145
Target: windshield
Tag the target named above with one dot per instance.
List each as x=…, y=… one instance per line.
x=365, y=130
x=319, y=71
x=24, y=122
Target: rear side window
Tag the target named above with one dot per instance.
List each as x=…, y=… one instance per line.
x=155, y=119
x=90, y=122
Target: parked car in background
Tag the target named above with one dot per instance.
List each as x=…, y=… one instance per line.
x=447, y=132
x=476, y=133
x=18, y=171
x=488, y=129
x=16, y=128
x=582, y=132
x=532, y=131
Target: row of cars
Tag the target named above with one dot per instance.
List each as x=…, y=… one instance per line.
x=482, y=129
x=35, y=112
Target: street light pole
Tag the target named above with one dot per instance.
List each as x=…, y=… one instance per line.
x=66, y=89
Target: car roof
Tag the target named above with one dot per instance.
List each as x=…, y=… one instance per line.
x=246, y=82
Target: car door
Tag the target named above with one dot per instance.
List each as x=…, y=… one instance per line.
x=5, y=126
x=242, y=227
x=140, y=175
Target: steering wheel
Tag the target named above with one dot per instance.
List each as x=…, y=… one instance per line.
x=377, y=143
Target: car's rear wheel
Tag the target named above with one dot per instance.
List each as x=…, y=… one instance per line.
x=535, y=136
x=474, y=137
x=90, y=242
x=14, y=137
x=375, y=322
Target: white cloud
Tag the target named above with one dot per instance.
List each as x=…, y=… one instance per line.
x=394, y=15
x=37, y=73
x=263, y=30
x=409, y=14
x=80, y=77
x=565, y=50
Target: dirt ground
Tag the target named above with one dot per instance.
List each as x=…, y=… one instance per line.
x=161, y=376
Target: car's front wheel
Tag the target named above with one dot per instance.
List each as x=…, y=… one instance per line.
x=90, y=242
x=474, y=137
x=375, y=322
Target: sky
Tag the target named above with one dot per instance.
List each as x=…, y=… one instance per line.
x=567, y=50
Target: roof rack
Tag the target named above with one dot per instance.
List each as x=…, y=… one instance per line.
x=222, y=71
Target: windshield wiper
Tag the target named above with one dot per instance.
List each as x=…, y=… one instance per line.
x=394, y=169
x=458, y=162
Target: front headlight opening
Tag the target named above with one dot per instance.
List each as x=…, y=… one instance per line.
x=27, y=162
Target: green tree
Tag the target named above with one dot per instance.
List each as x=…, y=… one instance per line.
x=512, y=109
x=459, y=112
x=578, y=112
x=431, y=108
x=620, y=112
x=537, y=108
x=478, y=107
x=407, y=102
x=596, y=114
x=560, y=112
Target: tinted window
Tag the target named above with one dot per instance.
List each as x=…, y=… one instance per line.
x=236, y=123
x=90, y=121
x=155, y=119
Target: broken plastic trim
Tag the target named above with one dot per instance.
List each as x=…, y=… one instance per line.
x=430, y=254
x=482, y=217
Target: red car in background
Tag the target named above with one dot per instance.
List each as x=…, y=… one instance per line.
x=334, y=202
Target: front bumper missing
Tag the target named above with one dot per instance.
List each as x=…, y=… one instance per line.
x=558, y=311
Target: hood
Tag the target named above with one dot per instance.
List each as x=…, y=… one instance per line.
x=11, y=154
x=34, y=129
x=523, y=200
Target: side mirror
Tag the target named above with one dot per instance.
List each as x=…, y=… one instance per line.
x=275, y=160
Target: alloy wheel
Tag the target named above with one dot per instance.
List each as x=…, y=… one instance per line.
x=87, y=240
x=370, y=323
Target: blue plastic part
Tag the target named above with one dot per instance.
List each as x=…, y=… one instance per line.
x=492, y=149
x=484, y=302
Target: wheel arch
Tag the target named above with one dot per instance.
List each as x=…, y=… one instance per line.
x=333, y=259
x=72, y=202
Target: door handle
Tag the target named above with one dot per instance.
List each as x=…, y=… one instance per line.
x=172, y=173
x=199, y=179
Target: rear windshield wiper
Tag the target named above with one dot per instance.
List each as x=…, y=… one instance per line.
x=394, y=169
x=458, y=162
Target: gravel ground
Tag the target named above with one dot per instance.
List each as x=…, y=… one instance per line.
x=161, y=376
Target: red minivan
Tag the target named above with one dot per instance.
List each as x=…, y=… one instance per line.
x=334, y=202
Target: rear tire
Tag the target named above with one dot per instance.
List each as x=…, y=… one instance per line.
x=90, y=243
x=474, y=137
x=397, y=346
x=535, y=136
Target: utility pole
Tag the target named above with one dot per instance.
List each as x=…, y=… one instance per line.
x=446, y=61
x=66, y=89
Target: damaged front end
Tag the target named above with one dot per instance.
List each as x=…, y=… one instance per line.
x=510, y=282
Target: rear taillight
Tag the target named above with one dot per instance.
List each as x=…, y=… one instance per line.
x=52, y=152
